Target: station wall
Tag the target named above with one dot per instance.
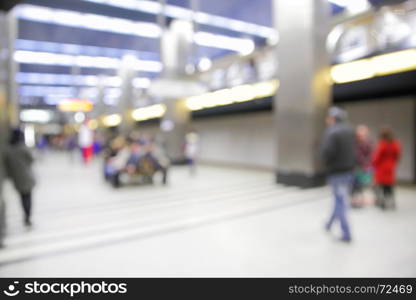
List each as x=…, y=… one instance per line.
x=247, y=140
x=399, y=114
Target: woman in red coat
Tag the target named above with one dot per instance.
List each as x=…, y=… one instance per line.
x=386, y=157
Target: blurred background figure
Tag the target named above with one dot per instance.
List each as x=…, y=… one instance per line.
x=2, y=210
x=363, y=174
x=339, y=155
x=86, y=142
x=18, y=162
x=42, y=146
x=386, y=157
x=98, y=145
x=111, y=149
x=118, y=162
x=71, y=146
x=136, y=154
x=192, y=150
x=155, y=156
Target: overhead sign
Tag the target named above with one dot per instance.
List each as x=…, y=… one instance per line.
x=75, y=105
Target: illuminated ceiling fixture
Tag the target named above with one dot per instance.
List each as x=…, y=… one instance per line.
x=79, y=117
x=121, y=26
x=395, y=62
x=111, y=120
x=380, y=65
x=352, y=71
x=36, y=116
x=67, y=79
x=76, y=49
x=148, y=112
x=204, y=64
x=243, y=46
x=75, y=105
x=87, y=21
x=182, y=13
x=242, y=93
x=46, y=58
x=42, y=91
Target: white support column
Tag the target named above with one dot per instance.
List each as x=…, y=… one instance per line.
x=305, y=88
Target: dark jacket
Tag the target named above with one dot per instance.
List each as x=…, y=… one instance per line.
x=339, y=149
x=18, y=163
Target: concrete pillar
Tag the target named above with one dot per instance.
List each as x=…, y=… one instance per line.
x=4, y=65
x=175, y=126
x=12, y=34
x=176, y=49
x=305, y=89
x=100, y=106
x=127, y=74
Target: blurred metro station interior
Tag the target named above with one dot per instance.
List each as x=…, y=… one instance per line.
x=183, y=138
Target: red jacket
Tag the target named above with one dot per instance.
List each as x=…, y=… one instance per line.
x=385, y=159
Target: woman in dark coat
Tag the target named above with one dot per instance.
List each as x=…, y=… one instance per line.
x=18, y=162
x=386, y=157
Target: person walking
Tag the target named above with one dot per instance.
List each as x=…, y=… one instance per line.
x=86, y=142
x=339, y=156
x=192, y=150
x=18, y=162
x=386, y=157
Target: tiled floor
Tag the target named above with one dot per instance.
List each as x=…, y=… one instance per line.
x=223, y=222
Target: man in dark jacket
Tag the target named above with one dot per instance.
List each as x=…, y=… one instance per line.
x=339, y=156
x=18, y=163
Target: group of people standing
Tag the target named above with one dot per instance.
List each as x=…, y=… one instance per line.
x=354, y=162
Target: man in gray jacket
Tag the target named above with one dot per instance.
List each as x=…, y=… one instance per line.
x=18, y=163
x=339, y=156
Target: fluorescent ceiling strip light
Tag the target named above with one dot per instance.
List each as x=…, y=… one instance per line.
x=178, y=12
x=66, y=79
x=75, y=49
x=81, y=80
x=120, y=26
x=244, y=46
x=87, y=21
x=40, y=91
x=100, y=62
x=380, y=65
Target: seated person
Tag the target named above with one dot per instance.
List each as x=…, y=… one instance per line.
x=117, y=164
x=156, y=157
x=132, y=164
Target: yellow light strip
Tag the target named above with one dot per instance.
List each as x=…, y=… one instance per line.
x=379, y=65
x=75, y=105
x=148, y=112
x=236, y=94
x=111, y=120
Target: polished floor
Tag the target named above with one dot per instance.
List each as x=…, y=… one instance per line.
x=222, y=222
